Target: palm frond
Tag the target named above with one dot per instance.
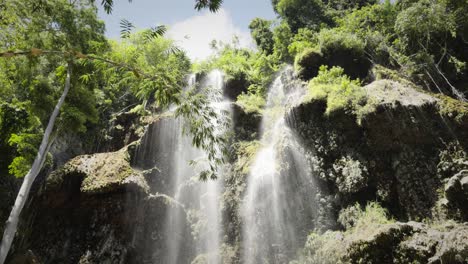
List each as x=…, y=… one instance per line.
x=107, y=4
x=126, y=28
x=154, y=32
x=212, y=5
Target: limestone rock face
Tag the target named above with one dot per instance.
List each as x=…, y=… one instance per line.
x=246, y=125
x=235, y=86
x=400, y=152
x=456, y=193
x=100, y=173
x=95, y=209
x=412, y=243
x=408, y=153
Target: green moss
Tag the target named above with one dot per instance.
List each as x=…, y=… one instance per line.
x=251, y=103
x=326, y=248
x=307, y=63
x=101, y=173
x=340, y=92
x=382, y=73
x=330, y=247
x=108, y=169
x=452, y=108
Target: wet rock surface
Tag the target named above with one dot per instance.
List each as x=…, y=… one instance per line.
x=95, y=209
x=412, y=242
x=409, y=153
x=399, y=154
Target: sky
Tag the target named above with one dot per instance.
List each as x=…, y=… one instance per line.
x=192, y=30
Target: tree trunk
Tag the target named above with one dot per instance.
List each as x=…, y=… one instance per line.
x=13, y=219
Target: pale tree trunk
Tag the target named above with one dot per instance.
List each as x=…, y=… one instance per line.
x=13, y=219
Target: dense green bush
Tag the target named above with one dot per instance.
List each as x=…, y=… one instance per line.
x=339, y=91
x=262, y=34
x=345, y=50
x=251, y=103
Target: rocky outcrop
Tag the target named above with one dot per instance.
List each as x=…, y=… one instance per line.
x=399, y=152
x=246, y=125
x=408, y=151
x=95, y=209
x=456, y=194
x=235, y=86
x=411, y=243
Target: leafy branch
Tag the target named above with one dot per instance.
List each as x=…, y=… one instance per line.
x=212, y=5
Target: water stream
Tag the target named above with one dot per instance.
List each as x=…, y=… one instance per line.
x=278, y=208
x=192, y=221
x=279, y=203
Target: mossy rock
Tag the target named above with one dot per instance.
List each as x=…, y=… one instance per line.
x=234, y=86
x=246, y=124
x=99, y=173
x=378, y=247
x=307, y=64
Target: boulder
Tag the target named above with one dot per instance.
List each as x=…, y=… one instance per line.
x=411, y=242
x=88, y=212
x=246, y=124
x=307, y=64
x=235, y=86
x=456, y=193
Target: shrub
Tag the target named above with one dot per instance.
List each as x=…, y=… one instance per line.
x=345, y=50
x=338, y=90
x=330, y=247
x=326, y=248
x=251, y=103
x=304, y=39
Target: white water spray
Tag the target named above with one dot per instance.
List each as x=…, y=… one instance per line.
x=278, y=208
x=192, y=224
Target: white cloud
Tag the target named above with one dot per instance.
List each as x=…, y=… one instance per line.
x=195, y=33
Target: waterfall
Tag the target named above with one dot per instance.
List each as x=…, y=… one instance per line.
x=278, y=208
x=191, y=224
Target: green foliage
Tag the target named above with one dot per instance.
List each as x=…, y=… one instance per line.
x=63, y=25
x=340, y=92
x=304, y=39
x=262, y=34
x=207, y=127
x=19, y=137
x=164, y=69
x=282, y=36
x=251, y=103
x=453, y=108
x=330, y=247
x=332, y=47
x=374, y=214
x=423, y=20
x=246, y=152
x=34, y=83
x=423, y=39
x=326, y=248
x=345, y=50
x=332, y=40
x=348, y=4
x=256, y=69
x=302, y=13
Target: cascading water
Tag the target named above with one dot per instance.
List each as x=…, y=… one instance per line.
x=192, y=219
x=278, y=209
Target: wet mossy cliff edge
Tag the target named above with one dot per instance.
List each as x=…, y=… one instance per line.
x=407, y=151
